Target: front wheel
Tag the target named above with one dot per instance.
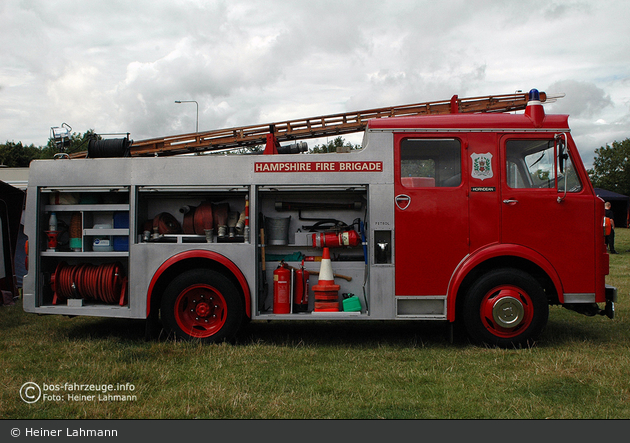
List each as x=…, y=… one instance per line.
x=506, y=308
x=202, y=304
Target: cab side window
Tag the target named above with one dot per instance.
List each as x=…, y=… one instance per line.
x=429, y=163
x=532, y=164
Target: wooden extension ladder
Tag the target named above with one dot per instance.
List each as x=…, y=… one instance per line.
x=313, y=127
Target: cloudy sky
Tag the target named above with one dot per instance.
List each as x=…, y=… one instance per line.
x=119, y=66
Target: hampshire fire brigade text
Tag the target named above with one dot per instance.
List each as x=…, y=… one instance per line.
x=318, y=167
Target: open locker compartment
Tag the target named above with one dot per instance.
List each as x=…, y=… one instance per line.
x=76, y=276
x=297, y=222
x=178, y=214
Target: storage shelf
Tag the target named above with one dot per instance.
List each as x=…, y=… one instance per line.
x=65, y=309
x=336, y=315
x=86, y=254
x=104, y=232
x=87, y=208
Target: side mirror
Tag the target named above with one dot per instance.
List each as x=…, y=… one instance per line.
x=561, y=149
x=560, y=142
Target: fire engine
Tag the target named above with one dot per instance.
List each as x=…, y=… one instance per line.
x=462, y=212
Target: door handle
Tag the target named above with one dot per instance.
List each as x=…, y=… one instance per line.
x=510, y=202
x=402, y=201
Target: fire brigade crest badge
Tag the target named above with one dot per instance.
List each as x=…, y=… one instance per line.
x=481, y=166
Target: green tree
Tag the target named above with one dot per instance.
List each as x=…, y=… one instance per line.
x=332, y=146
x=611, y=167
x=16, y=155
x=238, y=151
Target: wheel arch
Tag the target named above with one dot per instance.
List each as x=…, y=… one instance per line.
x=184, y=261
x=504, y=256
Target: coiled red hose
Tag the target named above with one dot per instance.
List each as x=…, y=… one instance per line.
x=105, y=283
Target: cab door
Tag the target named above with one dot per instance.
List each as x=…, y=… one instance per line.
x=546, y=209
x=431, y=212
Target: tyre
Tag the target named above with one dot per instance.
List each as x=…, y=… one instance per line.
x=505, y=308
x=203, y=305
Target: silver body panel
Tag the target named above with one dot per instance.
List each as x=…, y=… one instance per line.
x=155, y=184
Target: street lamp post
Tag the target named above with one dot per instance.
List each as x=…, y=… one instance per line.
x=192, y=101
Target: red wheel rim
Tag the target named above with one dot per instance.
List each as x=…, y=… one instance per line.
x=200, y=311
x=506, y=311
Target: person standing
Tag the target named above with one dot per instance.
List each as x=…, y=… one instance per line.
x=610, y=238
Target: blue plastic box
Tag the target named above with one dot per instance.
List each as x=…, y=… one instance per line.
x=121, y=220
x=121, y=243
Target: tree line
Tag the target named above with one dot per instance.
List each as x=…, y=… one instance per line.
x=17, y=155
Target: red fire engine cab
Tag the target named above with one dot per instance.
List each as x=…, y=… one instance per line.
x=447, y=212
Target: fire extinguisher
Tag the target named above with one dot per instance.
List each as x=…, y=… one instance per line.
x=300, y=290
x=282, y=289
x=333, y=239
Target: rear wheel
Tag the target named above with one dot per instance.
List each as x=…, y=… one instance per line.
x=506, y=308
x=202, y=304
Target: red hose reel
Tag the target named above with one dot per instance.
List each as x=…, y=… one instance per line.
x=105, y=283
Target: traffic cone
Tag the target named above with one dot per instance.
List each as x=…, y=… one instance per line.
x=326, y=291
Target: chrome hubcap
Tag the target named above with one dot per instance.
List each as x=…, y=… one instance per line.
x=508, y=312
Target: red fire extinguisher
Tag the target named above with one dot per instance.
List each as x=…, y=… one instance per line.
x=282, y=289
x=334, y=239
x=300, y=290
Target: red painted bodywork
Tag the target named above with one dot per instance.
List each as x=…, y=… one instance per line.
x=445, y=232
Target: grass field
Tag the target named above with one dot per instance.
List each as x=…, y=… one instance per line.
x=580, y=369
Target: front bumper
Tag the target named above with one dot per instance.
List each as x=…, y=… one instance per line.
x=611, y=299
x=592, y=309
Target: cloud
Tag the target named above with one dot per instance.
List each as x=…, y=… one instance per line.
x=583, y=99
x=596, y=116
x=119, y=65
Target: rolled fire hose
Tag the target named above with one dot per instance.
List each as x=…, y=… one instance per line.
x=105, y=283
